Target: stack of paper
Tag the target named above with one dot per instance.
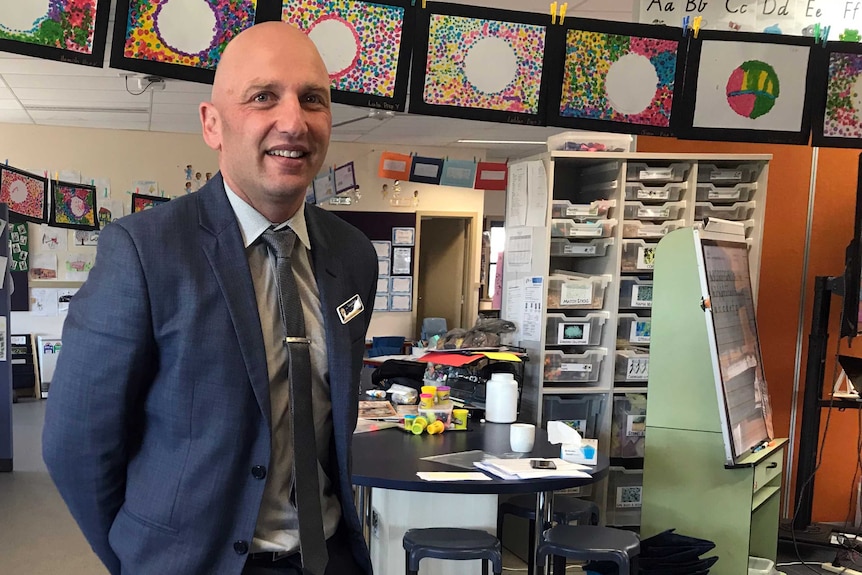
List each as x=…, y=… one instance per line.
x=521, y=469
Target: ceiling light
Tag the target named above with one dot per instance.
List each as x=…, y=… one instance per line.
x=516, y=142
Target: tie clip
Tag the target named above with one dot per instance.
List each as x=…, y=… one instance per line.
x=305, y=340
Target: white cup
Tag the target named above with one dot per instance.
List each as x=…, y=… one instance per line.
x=522, y=436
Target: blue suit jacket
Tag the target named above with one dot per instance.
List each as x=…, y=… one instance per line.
x=159, y=407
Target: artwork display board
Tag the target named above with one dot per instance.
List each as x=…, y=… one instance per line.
x=616, y=77
x=837, y=120
x=748, y=87
x=73, y=206
x=73, y=31
x=365, y=46
x=481, y=64
x=182, y=40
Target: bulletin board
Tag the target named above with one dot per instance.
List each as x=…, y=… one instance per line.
x=837, y=121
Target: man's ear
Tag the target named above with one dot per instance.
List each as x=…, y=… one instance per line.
x=211, y=124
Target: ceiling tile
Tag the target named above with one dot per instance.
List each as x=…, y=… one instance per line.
x=10, y=105
x=51, y=82
x=34, y=96
x=15, y=117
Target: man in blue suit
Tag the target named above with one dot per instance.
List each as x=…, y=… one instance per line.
x=167, y=431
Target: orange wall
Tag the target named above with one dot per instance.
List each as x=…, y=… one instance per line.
x=781, y=287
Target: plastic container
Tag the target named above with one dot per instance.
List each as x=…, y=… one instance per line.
x=636, y=191
x=592, y=211
x=733, y=212
x=760, y=566
x=564, y=247
x=641, y=211
x=501, y=398
x=441, y=412
x=566, y=228
x=628, y=425
x=643, y=172
x=564, y=330
x=638, y=256
x=569, y=290
x=583, y=410
x=589, y=142
x=748, y=225
x=632, y=365
x=725, y=195
x=573, y=367
x=633, y=329
x=625, y=494
x=728, y=174
x=642, y=230
x=601, y=190
x=635, y=293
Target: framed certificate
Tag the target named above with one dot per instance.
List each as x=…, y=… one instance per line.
x=399, y=302
x=401, y=261
x=382, y=249
x=382, y=285
x=403, y=236
x=382, y=268
x=381, y=302
x=401, y=285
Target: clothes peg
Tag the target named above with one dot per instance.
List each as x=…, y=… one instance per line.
x=423, y=4
x=824, y=37
x=413, y=3
x=563, y=8
x=696, y=25
x=553, y=8
x=686, y=21
x=817, y=32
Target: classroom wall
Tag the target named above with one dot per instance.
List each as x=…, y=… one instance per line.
x=127, y=156
x=780, y=289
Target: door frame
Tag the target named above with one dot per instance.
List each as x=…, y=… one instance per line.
x=469, y=310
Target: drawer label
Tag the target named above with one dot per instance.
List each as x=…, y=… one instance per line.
x=637, y=369
x=723, y=195
x=579, y=249
x=629, y=496
x=640, y=331
x=653, y=212
x=653, y=194
x=641, y=295
x=573, y=333
x=635, y=425
x=578, y=367
x=656, y=174
x=726, y=175
x=581, y=211
x=646, y=258
x=576, y=294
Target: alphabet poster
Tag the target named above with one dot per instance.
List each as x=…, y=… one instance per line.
x=838, y=121
x=69, y=30
x=365, y=46
x=480, y=64
x=749, y=88
x=177, y=39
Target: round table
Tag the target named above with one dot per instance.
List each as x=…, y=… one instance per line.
x=390, y=459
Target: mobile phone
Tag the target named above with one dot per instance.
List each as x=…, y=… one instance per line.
x=542, y=464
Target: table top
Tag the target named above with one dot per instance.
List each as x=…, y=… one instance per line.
x=390, y=458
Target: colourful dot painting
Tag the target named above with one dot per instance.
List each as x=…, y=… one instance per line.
x=590, y=57
x=74, y=205
x=448, y=81
x=363, y=39
x=68, y=25
x=141, y=202
x=145, y=41
x=24, y=195
x=752, y=89
x=844, y=96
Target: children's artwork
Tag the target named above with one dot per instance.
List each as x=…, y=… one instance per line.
x=68, y=30
x=19, y=247
x=53, y=239
x=324, y=186
x=394, y=166
x=43, y=267
x=345, y=178
x=43, y=301
x=458, y=173
x=109, y=210
x=616, y=77
x=748, y=88
x=148, y=187
x=838, y=110
x=141, y=202
x=64, y=297
x=426, y=170
x=73, y=206
x=491, y=176
x=480, y=63
x=181, y=39
x=77, y=266
x=84, y=238
x=364, y=45
x=25, y=193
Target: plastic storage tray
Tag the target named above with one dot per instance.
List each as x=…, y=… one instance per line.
x=566, y=228
x=628, y=425
x=638, y=256
x=760, y=566
x=632, y=365
x=565, y=330
x=728, y=174
x=633, y=329
x=625, y=494
x=573, y=367
x=593, y=211
x=642, y=172
x=636, y=191
x=725, y=195
x=575, y=249
x=589, y=142
x=637, y=229
x=641, y=211
x=577, y=291
x=735, y=212
x=583, y=409
x=635, y=293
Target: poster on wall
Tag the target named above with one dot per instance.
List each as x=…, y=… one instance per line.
x=480, y=64
x=73, y=31
x=25, y=193
x=748, y=88
x=73, y=206
x=365, y=46
x=182, y=40
x=616, y=77
x=837, y=120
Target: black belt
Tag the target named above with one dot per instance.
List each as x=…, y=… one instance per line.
x=265, y=558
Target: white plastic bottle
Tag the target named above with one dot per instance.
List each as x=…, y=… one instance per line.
x=501, y=398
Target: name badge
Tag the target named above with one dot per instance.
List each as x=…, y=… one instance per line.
x=350, y=309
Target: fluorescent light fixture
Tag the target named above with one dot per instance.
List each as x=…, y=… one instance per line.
x=518, y=142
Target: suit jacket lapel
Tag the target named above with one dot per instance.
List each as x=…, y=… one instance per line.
x=223, y=246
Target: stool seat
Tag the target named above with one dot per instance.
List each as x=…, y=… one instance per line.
x=589, y=542
x=453, y=544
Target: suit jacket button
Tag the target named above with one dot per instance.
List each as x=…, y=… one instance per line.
x=241, y=547
x=258, y=471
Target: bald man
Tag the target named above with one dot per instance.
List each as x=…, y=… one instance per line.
x=168, y=428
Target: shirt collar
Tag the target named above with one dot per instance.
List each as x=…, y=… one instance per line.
x=252, y=223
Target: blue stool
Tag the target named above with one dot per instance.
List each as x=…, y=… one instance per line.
x=453, y=544
x=589, y=543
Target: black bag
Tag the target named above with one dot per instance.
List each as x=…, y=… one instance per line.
x=404, y=372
